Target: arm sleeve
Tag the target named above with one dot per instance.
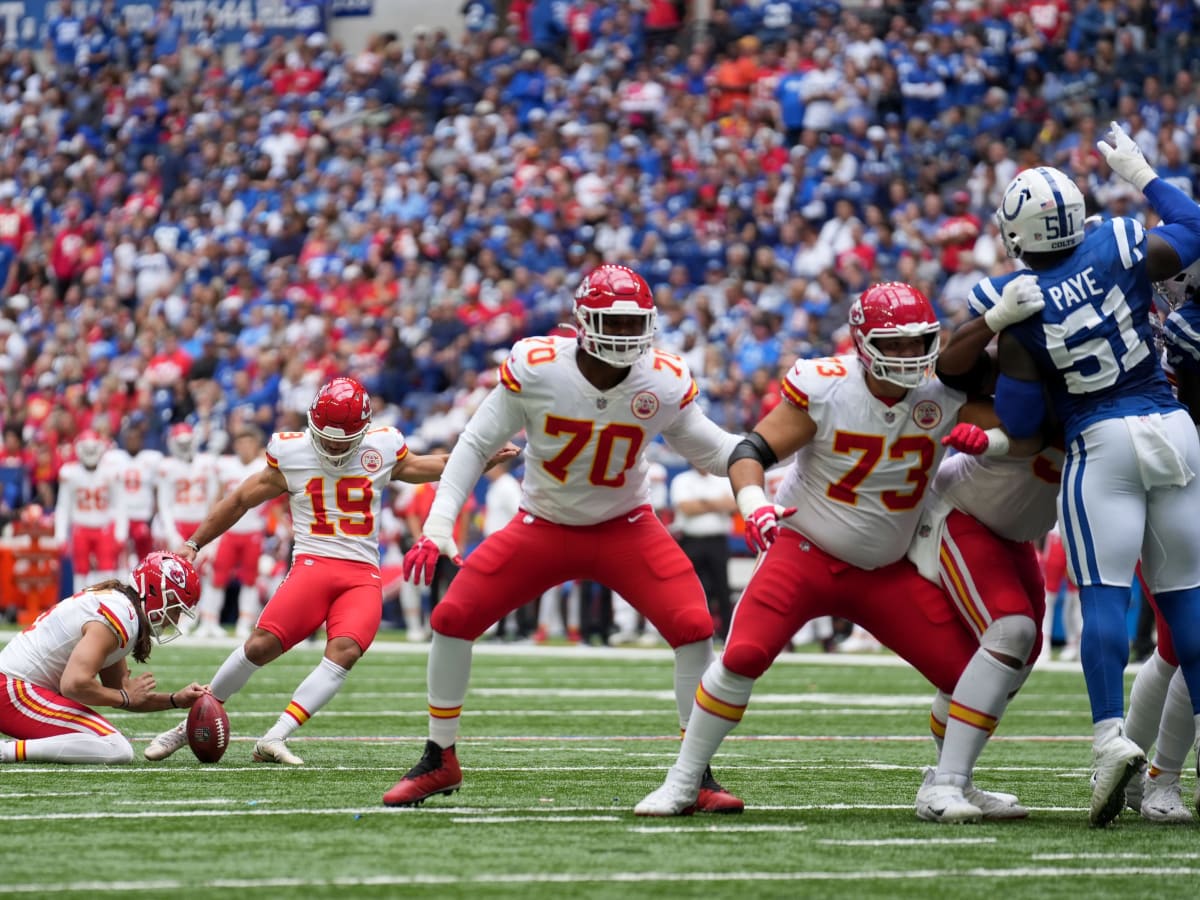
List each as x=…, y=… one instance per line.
x=1021, y=406
x=1181, y=216
x=701, y=441
x=497, y=419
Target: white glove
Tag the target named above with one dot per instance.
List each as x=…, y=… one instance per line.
x=1125, y=158
x=1020, y=299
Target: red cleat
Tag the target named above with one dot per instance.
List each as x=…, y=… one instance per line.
x=436, y=773
x=715, y=799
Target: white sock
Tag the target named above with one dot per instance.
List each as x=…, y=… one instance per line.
x=212, y=599
x=720, y=703
x=690, y=662
x=1048, y=624
x=1146, y=700
x=549, y=614
x=410, y=605
x=233, y=674
x=574, y=605
x=1072, y=617
x=939, y=715
x=449, y=673
x=248, y=603
x=979, y=699
x=79, y=582
x=321, y=686
x=110, y=749
x=1177, y=729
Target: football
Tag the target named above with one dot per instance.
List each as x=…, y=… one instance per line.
x=208, y=729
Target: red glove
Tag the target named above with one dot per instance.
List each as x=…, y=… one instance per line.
x=967, y=438
x=762, y=526
x=421, y=561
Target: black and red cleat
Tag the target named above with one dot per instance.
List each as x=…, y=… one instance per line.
x=437, y=773
x=715, y=799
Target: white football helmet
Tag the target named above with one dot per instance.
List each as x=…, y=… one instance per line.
x=90, y=448
x=181, y=441
x=1042, y=212
x=609, y=298
x=1182, y=288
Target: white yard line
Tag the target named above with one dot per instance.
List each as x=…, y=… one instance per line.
x=165, y=885
x=905, y=842
x=723, y=829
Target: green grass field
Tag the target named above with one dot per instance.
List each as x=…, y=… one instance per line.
x=558, y=745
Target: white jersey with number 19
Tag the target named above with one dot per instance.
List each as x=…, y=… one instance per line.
x=335, y=513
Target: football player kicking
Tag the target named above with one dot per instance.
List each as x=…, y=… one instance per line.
x=72, y=658
x=334, y=475
x=590, y=405
x=867, y=430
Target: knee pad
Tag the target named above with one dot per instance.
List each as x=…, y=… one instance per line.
x=1012, y=636
x=454, y=621
x=118, y=750
x=746, y=660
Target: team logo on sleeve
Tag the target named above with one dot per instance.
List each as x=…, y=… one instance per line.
x=927, y=414
x=644, y=405
x=371, y=460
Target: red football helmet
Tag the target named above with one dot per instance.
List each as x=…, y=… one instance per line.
x=338, y=419
x=169, y=587
x=181, y=441
x=895, y=310
x=89, y=448
x=615, y=313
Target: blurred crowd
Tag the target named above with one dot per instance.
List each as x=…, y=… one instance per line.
x=200, y=232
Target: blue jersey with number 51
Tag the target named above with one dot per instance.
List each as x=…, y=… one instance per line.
x=1092, y=341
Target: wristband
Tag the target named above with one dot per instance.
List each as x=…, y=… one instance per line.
x=751, y=498
x=998, y=442
x=190, y=543
x=124, y=699
x=174, y=705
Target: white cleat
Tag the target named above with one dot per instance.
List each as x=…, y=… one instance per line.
x=275, y=751
x=1163, y=800
x=1114, y=762
x=672, y=799
x=1134, y=792
x=167, y=743
x=946, y=804
x=995, y=805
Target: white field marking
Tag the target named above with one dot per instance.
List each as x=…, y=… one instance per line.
x=195, y=801
x=722, y=829
x=917, y=701
x=1063, y=857
x=536, y=813
x=505, y=820
x=164, y=886
x=600, y=655
x=905, y=842
x=40, y=794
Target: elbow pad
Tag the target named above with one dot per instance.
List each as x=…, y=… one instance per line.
x=754, y=446
x=1021, y=406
